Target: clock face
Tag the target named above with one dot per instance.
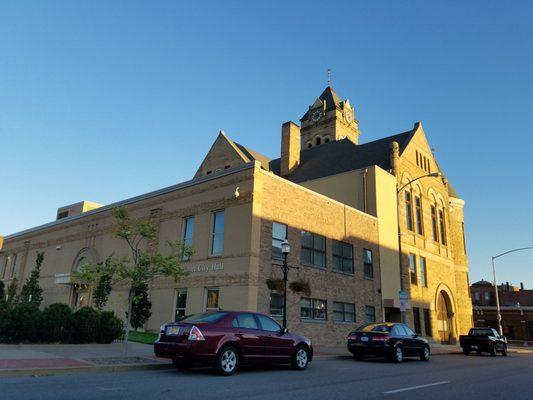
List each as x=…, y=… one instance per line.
x=349, y=116
x=315, y=116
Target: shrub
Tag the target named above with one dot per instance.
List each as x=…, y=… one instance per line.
x=4, y=318
x=85, y=325
x=24, y=324
x=111, y=327
x=58, y=321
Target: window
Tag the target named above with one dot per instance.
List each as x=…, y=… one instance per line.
x=188, y=234
x=181, y=304
x=419, y=216
x=246, y=321
x=477, y=297
x=276, y=304
x=62, y=214
x=434, y=228
x=408, y=211
x=279, y=234
x=206, y=317
x=343, y=312
x=370, y=314
x=416, y=318
x=14, y=266
x=409, y=331
x=442, y=224
x=211, y=299
x=313, y=309
x=313, y=249
x=268, y=324
x=427, y=322
x=217, y=233
x=6, y=262
x=342, y=257
x=487, y=296
x=423, y=272
x=412, y=268
x=368, y=264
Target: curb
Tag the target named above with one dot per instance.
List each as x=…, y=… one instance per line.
x=75, y=370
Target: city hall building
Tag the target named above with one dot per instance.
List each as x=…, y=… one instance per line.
x=336, y=201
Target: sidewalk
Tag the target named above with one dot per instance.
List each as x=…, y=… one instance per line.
x=39, y=359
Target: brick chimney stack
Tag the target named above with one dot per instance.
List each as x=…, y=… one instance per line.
x=290, y=148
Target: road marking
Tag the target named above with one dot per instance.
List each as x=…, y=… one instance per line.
x=415, y=387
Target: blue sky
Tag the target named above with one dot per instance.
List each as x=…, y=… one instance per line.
x=105, y=100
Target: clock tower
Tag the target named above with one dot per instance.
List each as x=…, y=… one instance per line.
x=328, y=119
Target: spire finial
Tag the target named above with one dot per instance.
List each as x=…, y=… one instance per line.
x=329, y=76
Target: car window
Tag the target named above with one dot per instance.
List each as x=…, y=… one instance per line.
x=401, y=330
x=268, y=324
x=374, y=328
x=397, y=331
x=209, y=317
x=246, y=321
x=408, y=330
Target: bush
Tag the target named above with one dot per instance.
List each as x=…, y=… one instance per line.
x=58, y=321
x=4, y=318
x=111, y=327
x=24, y=324
x=85, y=325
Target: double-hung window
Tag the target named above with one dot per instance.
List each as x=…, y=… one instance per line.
x=368, y=265
x=423, y=272
x=412, y=268
x=313, y=309
x=217, y=233
x=279, y=234
x=342, y=257
x=188, y=235
x=181, y=304
x=418, y=216
x=370, y=314
x=343, y=312
x=313, y=249
x=211, y=299
x=408, y=210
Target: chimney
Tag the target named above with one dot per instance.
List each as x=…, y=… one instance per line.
x=290, y=148
x=521, y=285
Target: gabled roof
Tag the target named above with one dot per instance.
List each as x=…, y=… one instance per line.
x=254, y=156
x=330, y=97
x=343, y=156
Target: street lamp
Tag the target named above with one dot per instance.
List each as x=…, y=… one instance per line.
x=496, y=285
x=431, y=175
x=285, y=250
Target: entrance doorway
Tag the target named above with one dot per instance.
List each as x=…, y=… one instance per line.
x=444, y=317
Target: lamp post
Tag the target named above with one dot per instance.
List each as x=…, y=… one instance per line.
x=431, y=175
x=285, y=250
x=498, y=311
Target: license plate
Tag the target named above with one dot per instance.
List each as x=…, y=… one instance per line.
x=173, y=330
x=364, y=339
x=473, y=347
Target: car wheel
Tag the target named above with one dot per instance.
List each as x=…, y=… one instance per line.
x=466, y=351
x=425, y=354
x=492, y=351
x=227, y=361
x=300, y=359
x=397, y=355
x=504, y=351
x=182, y=365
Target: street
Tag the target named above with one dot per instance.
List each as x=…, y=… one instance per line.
x=444, y=376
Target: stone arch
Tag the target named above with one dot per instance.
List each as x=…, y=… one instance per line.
x=327, y=139
x=87, y=254
x=445, y=312
x=318, y=140
x=308, y=145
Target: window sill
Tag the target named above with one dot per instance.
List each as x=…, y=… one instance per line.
x=314, y=266
x=343, y=273
x=313, y=321
x=343, y=322
x=369, y=278
x=214, y=256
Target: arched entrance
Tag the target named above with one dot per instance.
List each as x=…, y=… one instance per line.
x=81, y=293
x=444, y=317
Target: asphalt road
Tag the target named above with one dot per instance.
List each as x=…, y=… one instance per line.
x=443, y=377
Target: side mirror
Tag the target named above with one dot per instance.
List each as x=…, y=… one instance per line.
x=416, y=335
x=283, y=331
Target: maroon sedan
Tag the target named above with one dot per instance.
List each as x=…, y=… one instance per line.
x=227, y=339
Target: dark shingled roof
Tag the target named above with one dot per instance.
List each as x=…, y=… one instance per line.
x=343, y=156
x=331, y=99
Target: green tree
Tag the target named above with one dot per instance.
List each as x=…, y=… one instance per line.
x=2, y=291
x=141, y=266
x=141, y=306
x=31, y=291
x=103, y=286
x=11, y=292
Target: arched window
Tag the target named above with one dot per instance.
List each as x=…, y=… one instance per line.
x=327, y=139
x=309, y=145
x=318, y=141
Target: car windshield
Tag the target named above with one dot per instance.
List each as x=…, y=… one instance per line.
x=205, y=318
x=374, y=328
x=481, y=332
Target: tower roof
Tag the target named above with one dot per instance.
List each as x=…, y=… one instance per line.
x=330, y=97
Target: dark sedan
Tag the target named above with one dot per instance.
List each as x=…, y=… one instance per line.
x=386, y=339
x=227, y=339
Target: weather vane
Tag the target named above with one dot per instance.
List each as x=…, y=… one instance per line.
x=329, y=76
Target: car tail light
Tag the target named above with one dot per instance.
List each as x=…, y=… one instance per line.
x=196, y=334
x=352, y=336
x=381, y=338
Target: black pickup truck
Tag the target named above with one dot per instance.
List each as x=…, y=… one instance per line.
x=483, y=340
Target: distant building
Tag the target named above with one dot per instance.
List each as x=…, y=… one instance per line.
x=516, y=308
x=335, y=200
